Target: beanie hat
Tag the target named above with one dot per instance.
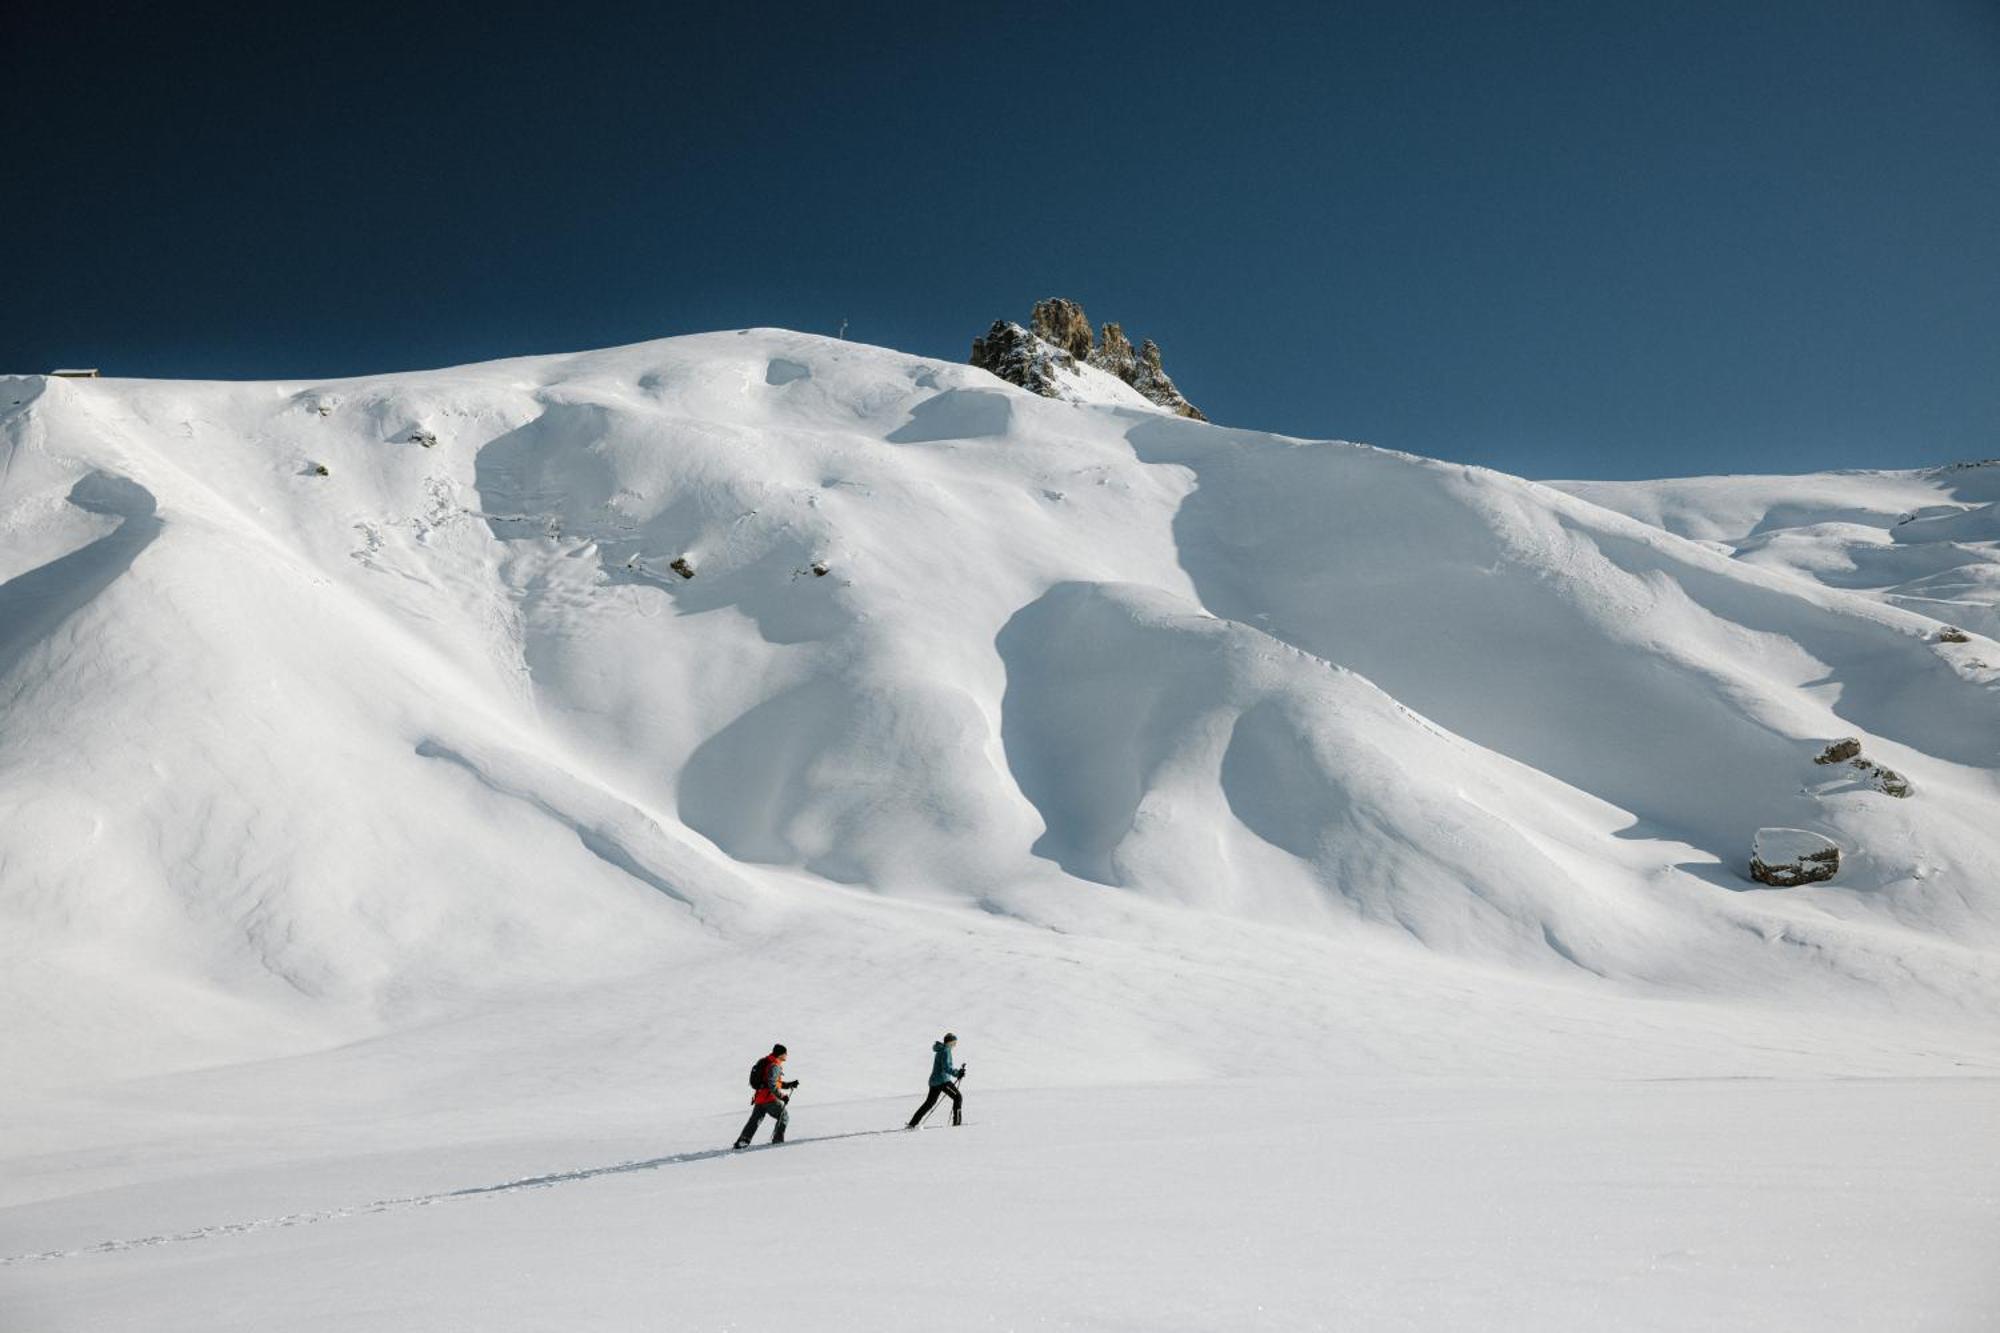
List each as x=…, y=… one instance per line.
x=779, y=1049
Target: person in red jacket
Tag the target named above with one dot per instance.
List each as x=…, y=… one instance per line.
x=768, y=1078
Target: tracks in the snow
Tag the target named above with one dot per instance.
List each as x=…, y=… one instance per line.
x=419, y=1200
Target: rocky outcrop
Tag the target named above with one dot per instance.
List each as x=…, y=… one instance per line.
x=1953, y=634
x=1885, y=780
x=1788, y=857
x=1059, y=340
x=1062, y=324
x=1847, y=750
x=1114, y=354
x=1151, y=380
x=1019, y=357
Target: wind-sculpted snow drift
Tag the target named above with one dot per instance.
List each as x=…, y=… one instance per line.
x=660, y=651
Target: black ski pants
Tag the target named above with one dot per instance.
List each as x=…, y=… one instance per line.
x=941, y=1090
x=777, y=1112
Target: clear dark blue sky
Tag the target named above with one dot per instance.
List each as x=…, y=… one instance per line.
x=1568, y=239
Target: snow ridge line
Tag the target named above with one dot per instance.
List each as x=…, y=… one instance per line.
x=416, y=1200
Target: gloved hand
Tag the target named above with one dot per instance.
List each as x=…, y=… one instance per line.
x=793, y=1084
x=961, y=1071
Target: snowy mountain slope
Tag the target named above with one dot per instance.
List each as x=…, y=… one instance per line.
x=339, y=750
x=1637, y=666
x=372, y=837
x=1927, y=540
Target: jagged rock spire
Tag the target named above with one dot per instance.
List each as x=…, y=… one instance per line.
x=1114, y=353
x=1151, y=379
x=1062, y=323
x=1060, y=340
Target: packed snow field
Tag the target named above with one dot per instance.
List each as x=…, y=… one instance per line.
x=422, y=797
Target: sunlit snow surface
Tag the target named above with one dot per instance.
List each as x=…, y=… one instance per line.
x=1334, y=860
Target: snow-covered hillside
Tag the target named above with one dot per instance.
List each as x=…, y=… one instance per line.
x=1926, y=540
x=492, y=751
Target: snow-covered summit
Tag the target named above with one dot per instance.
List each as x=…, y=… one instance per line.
x=331, y=706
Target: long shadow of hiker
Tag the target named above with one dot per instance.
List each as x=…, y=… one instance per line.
x=651, y=1163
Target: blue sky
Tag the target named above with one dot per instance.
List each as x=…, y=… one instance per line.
x=1589, y=239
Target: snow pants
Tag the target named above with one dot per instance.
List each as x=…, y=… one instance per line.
x=777, y=1112
x=941, y=1090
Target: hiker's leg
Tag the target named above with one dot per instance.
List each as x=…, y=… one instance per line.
x=925, y=1109
x=750, y=1125
x=782, y=1114
x=957, y=1103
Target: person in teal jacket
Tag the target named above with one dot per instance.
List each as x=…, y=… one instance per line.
x=944, y=1083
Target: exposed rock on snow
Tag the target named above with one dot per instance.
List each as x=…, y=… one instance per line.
x=1788, y=857
x=1062, y=324
x=1114, y=353
x=682, y=567
x=1151, y=379
x=1019, y=357
x=1953, y=634
x=1059, y=341
x=1847, y=750
x=1885, y=780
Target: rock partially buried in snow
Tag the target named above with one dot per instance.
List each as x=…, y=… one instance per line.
x=1953, y=634
x=1847, y=750
x=682, y=566
x=1788, y=857
x=1885, y=780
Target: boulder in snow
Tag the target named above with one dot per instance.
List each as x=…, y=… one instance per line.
x=1787, y=857
x=1953, y=634
x=1847, y=750
x=1885, y=780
